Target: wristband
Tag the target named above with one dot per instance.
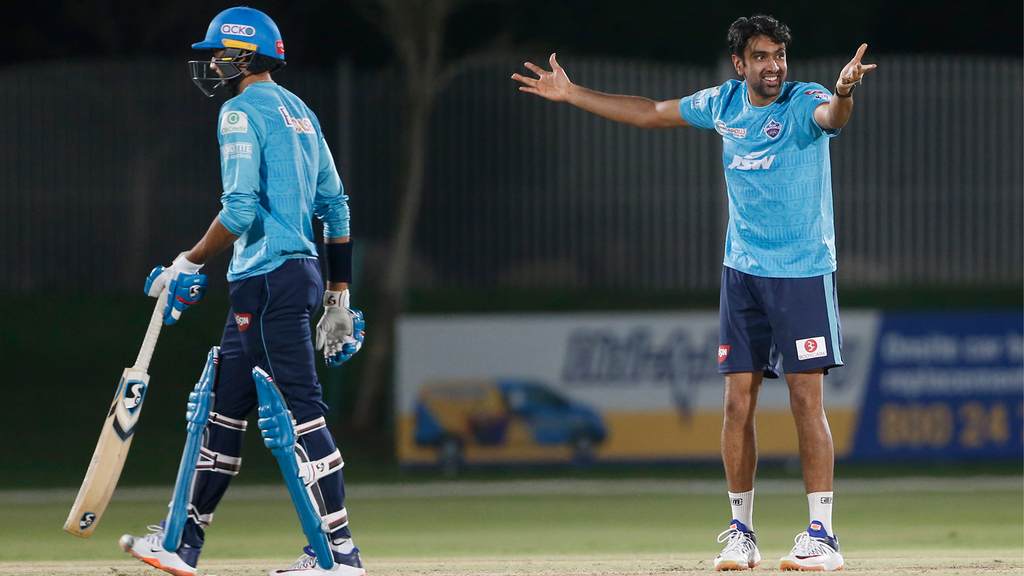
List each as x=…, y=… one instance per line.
x=848, y=94
x=339, y=261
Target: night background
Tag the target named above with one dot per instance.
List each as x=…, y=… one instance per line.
x=71, y=307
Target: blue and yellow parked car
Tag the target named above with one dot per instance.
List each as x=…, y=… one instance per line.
x=455, y=414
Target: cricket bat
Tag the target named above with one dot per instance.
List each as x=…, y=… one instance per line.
x=116, y=435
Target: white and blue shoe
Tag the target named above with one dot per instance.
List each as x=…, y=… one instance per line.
x=344, y=564
x=740, y=552
x=150, y=549
x=815, y=549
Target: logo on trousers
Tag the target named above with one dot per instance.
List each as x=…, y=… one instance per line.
x=243, y=321
x=723, y=353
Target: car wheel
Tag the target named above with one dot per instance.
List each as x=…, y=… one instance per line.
x=449, y=455
x=582, y=446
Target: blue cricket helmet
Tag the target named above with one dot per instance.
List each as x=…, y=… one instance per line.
x=245, y=28
x=243, y=36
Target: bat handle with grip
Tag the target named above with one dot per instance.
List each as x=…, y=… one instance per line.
x=156, y=322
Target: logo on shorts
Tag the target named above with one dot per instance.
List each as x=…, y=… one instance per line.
x=243, y=321
x=811, y=348
x=723, y=353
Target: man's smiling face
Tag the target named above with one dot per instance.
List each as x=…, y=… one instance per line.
x=764, y=68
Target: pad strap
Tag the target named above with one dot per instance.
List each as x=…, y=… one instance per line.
x=311, y=472
x=217, y=462
x=311, y=426
x=203, y=520
x=229, y=423
x=336, y=520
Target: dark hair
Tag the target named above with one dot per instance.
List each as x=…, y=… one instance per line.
x=261, y=63
x=744, y=29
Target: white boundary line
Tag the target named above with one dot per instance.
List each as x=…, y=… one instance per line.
x=463, y=489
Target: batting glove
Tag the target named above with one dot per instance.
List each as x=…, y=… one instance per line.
x=184, y=285
x=341, y=330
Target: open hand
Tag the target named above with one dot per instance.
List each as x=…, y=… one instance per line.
x=853, y=72
x=553, y=85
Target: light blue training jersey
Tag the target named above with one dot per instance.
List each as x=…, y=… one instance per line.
x=277, y=173
x=778, y=175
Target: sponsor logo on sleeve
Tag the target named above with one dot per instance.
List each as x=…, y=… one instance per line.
x=238, y=30
x=243, y=321
x=701, y=98
x=723, y=353
x=724, y=130
x=752, y=161
x=811, y=348
x=234, y=122
x=772, y=129
x=236, y=151
x=819, y=95
x=301, y=125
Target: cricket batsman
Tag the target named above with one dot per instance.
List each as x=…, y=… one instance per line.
x=778, y=311
x=277, y=174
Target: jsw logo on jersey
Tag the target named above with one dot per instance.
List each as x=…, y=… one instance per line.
x=301, y=125
x=752, y=161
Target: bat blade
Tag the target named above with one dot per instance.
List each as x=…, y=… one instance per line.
x=109, y=456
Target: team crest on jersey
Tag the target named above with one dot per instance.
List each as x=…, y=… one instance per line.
x=233, y=122
x=301, y=125
x=772, y=129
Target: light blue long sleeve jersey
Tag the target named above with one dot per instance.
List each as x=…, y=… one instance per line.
x=778, y=175
x=277, y=173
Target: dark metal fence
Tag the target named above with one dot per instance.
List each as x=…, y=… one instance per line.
x=107, y=168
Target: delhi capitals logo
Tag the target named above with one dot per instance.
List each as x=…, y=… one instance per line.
x=772, y=129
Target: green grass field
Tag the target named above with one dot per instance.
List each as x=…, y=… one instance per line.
x=548, y=527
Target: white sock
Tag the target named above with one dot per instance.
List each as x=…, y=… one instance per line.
x=343, y=545
x=820, y=504
x=743, y=507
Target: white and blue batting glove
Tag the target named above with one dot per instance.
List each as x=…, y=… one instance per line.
x=341, y=330
x=184, y=285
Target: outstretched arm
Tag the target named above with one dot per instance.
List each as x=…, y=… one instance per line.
x=836, y=113
x=632, y=110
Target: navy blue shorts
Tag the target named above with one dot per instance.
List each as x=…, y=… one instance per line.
x=778, y=324
x=268, y=326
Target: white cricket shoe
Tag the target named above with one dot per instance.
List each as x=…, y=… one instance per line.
x=740, y=551
x=344, y=564
x=149, y=549
x=814, y=550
